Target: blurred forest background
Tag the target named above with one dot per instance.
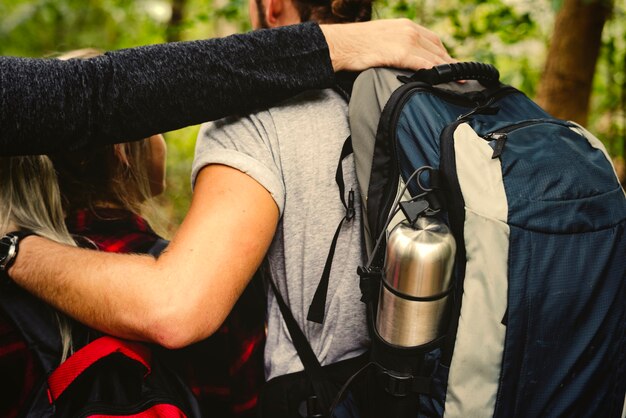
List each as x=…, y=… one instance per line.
x=570, y=55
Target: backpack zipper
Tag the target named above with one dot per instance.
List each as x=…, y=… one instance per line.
x=404, y=93
x=394, y=107
x=501, y=135
x=500, y=139
x=397, y=100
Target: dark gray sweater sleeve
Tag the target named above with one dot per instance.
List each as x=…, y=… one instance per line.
x=47, y=105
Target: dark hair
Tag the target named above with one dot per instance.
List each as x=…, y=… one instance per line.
x=334, y=11
x=327, y=11
x=90, y=177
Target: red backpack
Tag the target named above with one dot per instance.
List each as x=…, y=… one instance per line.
x=106, y=377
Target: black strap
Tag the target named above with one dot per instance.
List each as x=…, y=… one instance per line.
x=318, y=304
x=17, y=236
x=312, y=367
x=159, y=246
x=36, y=322
x=369, y=283
x=305, y=352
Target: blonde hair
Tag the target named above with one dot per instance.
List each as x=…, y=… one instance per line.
x=80, y=53
x=30, y=199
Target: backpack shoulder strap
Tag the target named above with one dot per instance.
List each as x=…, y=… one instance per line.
x=159, y=246
x=36, y=323
x=64, y=375
x=311, y=364
x=318, y=304
x=318, y=378
x=312, y=367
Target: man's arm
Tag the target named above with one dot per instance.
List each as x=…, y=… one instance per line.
x=48, y=105
x=183, y=296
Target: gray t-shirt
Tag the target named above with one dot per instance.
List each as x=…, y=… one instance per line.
x=293, y=150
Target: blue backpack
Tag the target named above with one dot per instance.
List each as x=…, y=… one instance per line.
x=537, y=311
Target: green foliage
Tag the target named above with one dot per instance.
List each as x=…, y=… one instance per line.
x=235, y=11
x=608, y=103
x=43, y=27
x=175, y=201
x=509, y=34
x=512, y=34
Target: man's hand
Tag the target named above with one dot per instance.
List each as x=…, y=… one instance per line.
x=398, y=43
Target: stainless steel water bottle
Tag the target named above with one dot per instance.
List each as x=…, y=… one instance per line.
x=419, y=263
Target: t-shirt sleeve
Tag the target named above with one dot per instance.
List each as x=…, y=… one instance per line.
x=248, y=144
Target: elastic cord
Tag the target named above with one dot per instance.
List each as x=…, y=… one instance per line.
x=395, y=208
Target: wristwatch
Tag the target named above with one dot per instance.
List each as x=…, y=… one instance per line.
x=9, y=246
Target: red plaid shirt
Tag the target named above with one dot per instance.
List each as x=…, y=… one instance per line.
x=19, y=369
x=224, y=371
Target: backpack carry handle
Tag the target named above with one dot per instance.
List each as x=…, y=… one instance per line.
x=486, y=74
x=61, y=378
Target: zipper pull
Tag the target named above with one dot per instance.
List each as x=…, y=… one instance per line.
x=481, y=109
x=500, y=139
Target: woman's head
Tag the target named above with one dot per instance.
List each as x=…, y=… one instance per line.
x=122, y=175
x=273, y=13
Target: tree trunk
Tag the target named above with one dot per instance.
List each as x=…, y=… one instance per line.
x=566, y=84
x=174, y=25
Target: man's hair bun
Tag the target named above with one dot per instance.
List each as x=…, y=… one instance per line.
x=334, y=11
x=351, y=10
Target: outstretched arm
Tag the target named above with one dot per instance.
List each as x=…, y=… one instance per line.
x=47, y=105
x=183, y=296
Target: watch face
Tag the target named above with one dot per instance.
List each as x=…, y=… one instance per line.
x=7, y=250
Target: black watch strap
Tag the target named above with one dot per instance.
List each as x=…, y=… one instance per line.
x=14, y=239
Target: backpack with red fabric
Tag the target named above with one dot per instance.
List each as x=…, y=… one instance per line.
x=105, y=377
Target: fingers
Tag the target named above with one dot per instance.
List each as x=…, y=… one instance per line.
x=397, y=43
x=434, y=41
x=426, y=44
x=409, y=45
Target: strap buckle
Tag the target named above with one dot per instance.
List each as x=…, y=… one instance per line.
x=397, y=385
x=310, y=408
x=403, y=385
x=369, y=278
x=350, y=208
